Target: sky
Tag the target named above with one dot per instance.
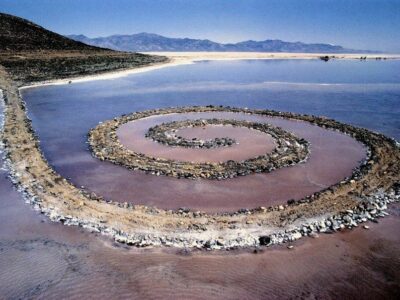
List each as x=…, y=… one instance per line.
x=361, y=24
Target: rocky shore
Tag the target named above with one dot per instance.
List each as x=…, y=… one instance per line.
x=106, y=146
x=363, y=196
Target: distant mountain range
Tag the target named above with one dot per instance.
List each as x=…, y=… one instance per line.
x=143, y=42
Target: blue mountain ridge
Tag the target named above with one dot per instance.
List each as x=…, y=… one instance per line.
x=145, y=42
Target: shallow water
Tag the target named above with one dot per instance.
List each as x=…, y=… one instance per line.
x=40, y=259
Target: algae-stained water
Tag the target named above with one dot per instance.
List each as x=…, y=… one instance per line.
x=40, y=259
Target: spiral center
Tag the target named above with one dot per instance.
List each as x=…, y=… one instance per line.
x=248, y=143
x=167, y=134
x=106, y=145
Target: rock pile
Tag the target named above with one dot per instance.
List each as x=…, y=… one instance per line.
x=370, y=208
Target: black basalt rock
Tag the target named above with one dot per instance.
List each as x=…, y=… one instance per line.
x=264, y=240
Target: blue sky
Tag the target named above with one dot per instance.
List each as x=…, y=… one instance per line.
x=366, y=24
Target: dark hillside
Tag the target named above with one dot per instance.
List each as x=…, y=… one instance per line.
x=17, y=34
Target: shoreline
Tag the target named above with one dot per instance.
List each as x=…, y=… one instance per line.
x=188, y=58
x=355, y=200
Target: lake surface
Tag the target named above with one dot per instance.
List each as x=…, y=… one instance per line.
x=41, y=259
